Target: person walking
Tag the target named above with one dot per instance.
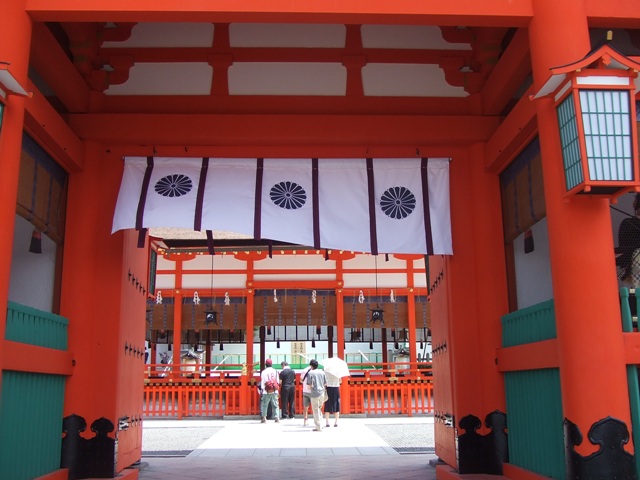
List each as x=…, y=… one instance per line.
x=306, y=393
x=317, y=380
x=332, y=405
x=288, y=390
x=269, y=385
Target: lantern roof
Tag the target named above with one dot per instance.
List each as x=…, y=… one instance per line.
x=602, y=57
x=8, y=82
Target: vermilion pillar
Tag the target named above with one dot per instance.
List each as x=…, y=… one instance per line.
x=103, y=295
x=468, y=298
x=249, y=330
x=590, y=342
x=247, y=369
x=340, y=321
x=15, y=36
x=177, y=326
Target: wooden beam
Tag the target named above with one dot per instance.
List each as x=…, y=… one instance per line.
x=632, y=348
x=23, y=357
x=453, y=12
x=613, y=14
x=508, y=75
x=530, y=356
x=53, y=134
x=282, y=54
x=242, y=104
x=292, y=130
x=52, y=63
x=512, y=134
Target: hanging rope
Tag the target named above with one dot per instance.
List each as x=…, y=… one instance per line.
x=164, y=317
x=295, y=313
x=424, y=312
x=235, y=316
x=353, y=311
x=265, y=311
x=309, y=318
x=324, y=310
x=395, y=316
x=368, y=313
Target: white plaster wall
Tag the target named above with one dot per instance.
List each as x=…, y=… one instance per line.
x=32, y=275
x=533, y=270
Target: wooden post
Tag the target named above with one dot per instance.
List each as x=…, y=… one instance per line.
x=330, y=341
x=177, y=335
x=247, y=371
x=15, y=40
x=588, y=319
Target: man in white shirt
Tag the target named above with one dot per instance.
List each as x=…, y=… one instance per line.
x=269, y=386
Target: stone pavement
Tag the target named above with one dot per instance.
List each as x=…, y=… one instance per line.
x=359, y=448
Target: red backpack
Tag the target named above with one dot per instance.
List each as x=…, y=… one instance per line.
x=271, y=385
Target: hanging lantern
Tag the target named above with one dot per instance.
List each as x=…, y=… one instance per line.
x=377, y=315
x=35, y=246
x=596, y=110
x=210, y=316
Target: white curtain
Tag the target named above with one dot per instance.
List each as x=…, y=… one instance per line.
x=381, y=205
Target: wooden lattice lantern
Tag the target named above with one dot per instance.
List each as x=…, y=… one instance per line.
x=596, y=108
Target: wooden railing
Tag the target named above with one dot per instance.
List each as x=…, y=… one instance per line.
x=180, y=391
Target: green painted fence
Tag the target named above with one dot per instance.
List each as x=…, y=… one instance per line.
x=632, y=371
x=30, y=424
x=31, y=403
x=35, y=327
x=534, y=399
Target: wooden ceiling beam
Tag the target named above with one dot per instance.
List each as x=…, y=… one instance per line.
x=512, y=135
x=307, y=55
x=53, y=134
x=290, y=130
x=53, y=65
x=505, y=13
x=265, y=104
x=508, y=75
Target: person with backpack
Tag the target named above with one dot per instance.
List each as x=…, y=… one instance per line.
x=269, y=385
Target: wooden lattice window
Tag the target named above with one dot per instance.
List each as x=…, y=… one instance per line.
x=42, y=190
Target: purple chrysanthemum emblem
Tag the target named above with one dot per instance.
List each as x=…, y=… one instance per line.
x=174, y=185
x=288, y=195
x=398, y=202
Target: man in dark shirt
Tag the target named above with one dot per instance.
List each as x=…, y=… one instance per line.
x=288, y=390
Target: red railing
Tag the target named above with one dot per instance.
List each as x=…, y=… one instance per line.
x=172, y=391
